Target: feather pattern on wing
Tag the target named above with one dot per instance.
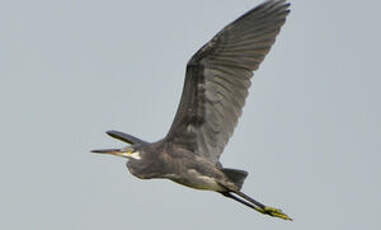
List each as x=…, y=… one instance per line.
x=218, y=77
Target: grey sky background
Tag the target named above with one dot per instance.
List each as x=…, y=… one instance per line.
x=70, y=70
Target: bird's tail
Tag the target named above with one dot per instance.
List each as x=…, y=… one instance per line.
x=237, y=176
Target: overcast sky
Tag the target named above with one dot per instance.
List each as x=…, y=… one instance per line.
x=310, y=134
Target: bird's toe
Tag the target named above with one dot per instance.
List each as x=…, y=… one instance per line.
x=276, y=213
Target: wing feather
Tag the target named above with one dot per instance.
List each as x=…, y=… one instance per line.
x=218, y=78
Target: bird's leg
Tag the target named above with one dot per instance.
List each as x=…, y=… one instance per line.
x=259, y=206
x=231, y=196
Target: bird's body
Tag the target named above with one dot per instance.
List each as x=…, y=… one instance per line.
x=216, y=85
x=179, y=165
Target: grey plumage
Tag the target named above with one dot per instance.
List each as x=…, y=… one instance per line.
x=218, y=77
x=216, y=86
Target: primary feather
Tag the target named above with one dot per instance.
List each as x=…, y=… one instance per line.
x=218, y=78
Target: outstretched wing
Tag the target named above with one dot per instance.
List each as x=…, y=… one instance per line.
x=218, y=77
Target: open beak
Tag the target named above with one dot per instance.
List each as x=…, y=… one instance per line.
x=124, y=152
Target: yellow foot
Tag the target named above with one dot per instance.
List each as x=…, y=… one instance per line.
x=275, y=212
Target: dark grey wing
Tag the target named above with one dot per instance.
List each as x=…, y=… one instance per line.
x=218, y=77
x=125, y=137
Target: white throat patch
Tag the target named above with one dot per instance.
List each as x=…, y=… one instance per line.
x=135, y=155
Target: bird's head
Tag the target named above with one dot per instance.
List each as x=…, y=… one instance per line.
x=141, y=162
x=137, y=163
x=130, y=152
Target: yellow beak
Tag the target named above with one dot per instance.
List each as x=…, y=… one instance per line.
x=124, y=152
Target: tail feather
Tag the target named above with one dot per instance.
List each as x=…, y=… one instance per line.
x=237, y=176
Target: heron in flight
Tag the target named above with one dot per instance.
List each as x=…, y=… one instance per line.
x=215, y=88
